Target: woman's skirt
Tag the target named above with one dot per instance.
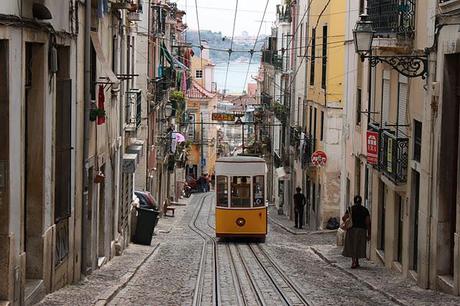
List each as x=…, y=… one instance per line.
x=355, y=243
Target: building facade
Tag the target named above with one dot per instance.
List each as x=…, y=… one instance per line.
x=401, y=139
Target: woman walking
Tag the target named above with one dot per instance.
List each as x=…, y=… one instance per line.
x=358, y=232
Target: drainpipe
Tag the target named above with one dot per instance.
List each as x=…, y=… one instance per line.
x=87, y=105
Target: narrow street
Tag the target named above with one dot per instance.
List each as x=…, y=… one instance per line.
x=285, y=270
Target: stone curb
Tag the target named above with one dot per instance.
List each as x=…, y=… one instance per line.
x=286, y=228
x=304, y=232
x=369, y=285
x=110, y=293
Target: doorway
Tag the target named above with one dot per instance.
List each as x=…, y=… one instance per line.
x=33, y=173
x=449, y=166
x=414, y=217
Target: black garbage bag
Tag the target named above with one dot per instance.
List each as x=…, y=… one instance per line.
x=332, y=224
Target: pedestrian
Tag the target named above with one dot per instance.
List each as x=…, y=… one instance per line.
x=299, y=203
x=358, y=233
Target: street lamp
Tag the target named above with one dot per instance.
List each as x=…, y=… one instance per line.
x=411, y=66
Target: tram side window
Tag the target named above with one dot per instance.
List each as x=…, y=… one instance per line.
x=258, y=190
x=222, y=191
x=241, y=191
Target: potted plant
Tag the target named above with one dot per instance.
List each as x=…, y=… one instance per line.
x=96, y=113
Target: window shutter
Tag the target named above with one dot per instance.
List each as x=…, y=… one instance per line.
x=385, y=96
x=402, y=110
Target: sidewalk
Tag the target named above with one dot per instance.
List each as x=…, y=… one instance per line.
x=399, y=289
x=288, y=225
x=103, y=284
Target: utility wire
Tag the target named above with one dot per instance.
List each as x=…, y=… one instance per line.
x=231, y=46
x=254, y=47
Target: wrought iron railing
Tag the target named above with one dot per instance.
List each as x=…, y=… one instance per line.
x=62, y=241
x=392, y=16
x=308, y=148
x=393, y=157
x=133, y=107
x=393, y=154
x=272, y=58
x=284, y=13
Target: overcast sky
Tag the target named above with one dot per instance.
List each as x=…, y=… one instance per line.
x=217, y=15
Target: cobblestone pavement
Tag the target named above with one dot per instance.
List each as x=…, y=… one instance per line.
x=166, y=273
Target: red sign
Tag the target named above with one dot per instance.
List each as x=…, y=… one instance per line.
x=372, y=147
x=318, y=158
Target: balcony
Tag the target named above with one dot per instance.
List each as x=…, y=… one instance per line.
x=392, y=17
x=133, y=110
x=272, y=58
x=283, y=13
x=393, y=154
x=447, y=6
x=308, y=148
x=265, y=99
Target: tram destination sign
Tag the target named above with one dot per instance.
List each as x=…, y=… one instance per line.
x=223, y=117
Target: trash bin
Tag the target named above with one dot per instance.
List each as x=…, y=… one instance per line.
x=147, y=219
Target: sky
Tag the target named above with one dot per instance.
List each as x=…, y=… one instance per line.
x=217, y=15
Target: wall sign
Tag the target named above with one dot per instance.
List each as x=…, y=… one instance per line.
x=372, y=147
x=223, y=117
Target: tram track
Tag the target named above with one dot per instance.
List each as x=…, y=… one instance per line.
x=256, y=277
x=208, y=241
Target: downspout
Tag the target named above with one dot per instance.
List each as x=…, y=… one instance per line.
x=86, y=105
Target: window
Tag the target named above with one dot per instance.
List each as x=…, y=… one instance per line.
x=417, y=140
x=222, y=191
x=402, y=104
x=361, y=7
x=199, y=74
x=312, y=57
x=322, y=126
x=314, y=124
x=358, y=106
x=385, y=96
x=258, y=191
x=310, y=120
x=241, y=191
x=324, y=58
x=93, y=75
x=300, y=40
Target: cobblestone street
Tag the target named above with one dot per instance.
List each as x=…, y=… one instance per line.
x=291, y=267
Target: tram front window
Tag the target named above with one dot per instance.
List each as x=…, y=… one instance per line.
x=241, y=191
x=259, y=190
x=222, y=191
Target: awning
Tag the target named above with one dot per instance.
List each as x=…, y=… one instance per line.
x=102, y=60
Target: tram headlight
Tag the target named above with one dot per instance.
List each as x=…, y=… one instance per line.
x=240, y=221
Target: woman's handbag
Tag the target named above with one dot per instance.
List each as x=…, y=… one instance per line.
x=348, y=223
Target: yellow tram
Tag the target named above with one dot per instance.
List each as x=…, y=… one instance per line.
x=240, y=197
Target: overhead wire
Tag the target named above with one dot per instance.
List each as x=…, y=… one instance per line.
x=254, y=47
x=231, y=46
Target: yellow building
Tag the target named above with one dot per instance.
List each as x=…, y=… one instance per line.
x=324, y=103
x=201, y=103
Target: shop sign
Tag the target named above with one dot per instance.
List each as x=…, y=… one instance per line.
x=319, y=159
x=372, y=147
x=223, y=117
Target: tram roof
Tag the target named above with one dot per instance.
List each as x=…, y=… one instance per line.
x=241, y=159
x=241, y=165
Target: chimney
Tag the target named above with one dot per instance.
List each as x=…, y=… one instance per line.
x=205, y=51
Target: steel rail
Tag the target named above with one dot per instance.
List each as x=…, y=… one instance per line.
x=200, y=278
x=251, y=279
x=295, y=289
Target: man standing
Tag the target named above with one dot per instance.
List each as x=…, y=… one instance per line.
x=299, y=203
